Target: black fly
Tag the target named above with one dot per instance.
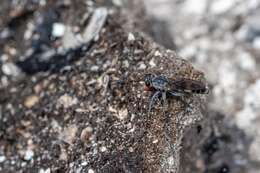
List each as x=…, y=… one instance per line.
x=161, y=86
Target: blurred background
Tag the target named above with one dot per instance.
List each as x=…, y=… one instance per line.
x=222, y=38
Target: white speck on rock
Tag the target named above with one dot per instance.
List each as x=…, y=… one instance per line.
x=58, y=29
x=2, y=159
x=142, y=66
x=84, y=163
x=91, y=171
x=95, y=24
x=28, y=155
x=171, y=160
x=152, y=63
x=23, y=164
x=48, y=170
x=29, y=31
x=67, y=101
x=157, y=53
x=131, y=37
x=122, y=114
x=155, y=141
x=126, y=63
x=103, y=149
x=11, y=69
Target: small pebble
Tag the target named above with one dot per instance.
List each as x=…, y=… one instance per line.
x=157, y=53
x=131, y=37
x=142, y=66
x=58, y=29
x=122, y=114
x=69, y=134
x=94, y=68
x=91, y=171
x=31, y=101
x=103, y=149
x=84, y=163
x=86, y=134
x=67, y=101
x=48, y=170
x=152, y=63
x=2, y=159
x=131, y=149
x=28, y=155
x=11, y=69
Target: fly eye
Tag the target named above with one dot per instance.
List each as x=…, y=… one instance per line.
x=148, y=79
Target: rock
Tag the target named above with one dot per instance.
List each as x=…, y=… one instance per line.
x=110, y=105
x=72, y=41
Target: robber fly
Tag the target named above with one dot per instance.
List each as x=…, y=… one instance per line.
x=162, y=86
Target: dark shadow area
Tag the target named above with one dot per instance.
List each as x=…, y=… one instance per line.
x=215, y=147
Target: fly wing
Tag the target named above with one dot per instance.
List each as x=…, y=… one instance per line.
x=189, y=86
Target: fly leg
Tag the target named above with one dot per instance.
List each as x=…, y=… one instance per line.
x=164, y=102
x=152, y=100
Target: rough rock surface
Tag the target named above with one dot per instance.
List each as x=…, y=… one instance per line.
x=84, y=109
